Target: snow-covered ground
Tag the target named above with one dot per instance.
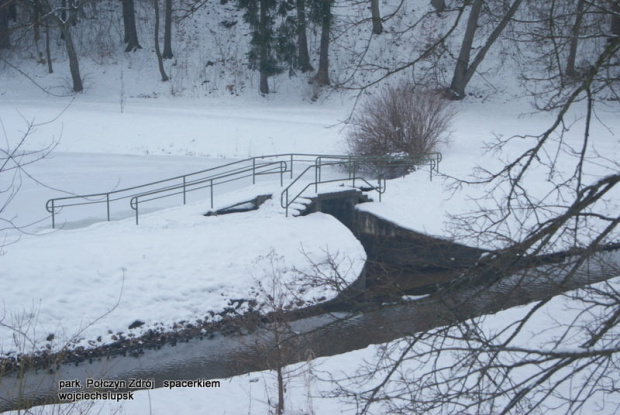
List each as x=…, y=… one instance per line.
x=125, y=272
x=89, y=279
x=477, y=126
x=329, y=385
x=94, y=280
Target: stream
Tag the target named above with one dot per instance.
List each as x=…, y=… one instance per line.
x=375, y=314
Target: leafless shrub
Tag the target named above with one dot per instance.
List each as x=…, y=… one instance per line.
x=15, y=159
x=400, y=121
x=278, y=343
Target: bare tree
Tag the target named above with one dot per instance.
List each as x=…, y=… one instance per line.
x=377, y=23
x=465, y=68
x=574, y=42
x=562, y=236
x=15, y=159
x=324, y=14
x=302, y=38
x=64, y=17
x=167, y=54
x=129, y=23
x=561, y=42
x=439, y=5
x=74, y=65
x=440, y=26
x=279, y=292
x=275, y=296
x=614, y=11
x=414, y=54
x=5, y=12
x=160, y=60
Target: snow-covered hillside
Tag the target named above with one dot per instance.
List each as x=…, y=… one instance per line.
x=210, y=45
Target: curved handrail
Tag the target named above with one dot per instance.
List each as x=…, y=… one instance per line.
x=355, y=163
x=379, y=189
x=350, y=161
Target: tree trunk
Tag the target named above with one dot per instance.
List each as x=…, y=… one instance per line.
x=322, y=75
x=74, y=65
x=168, y=31
x=615, y=21
x=439, y=5
x=5, y=38
x=264, y=83
x=48, y=52
x=279, y=368
x=129, y=21
x=160, y=59
x=63, y=10
x=264, y=51
x=302, y=40
x=457, y=87
x=36, y=20
x=73, y=15
x=377, y=24
x=63, y=16
x=574, y=41
x=464, y=70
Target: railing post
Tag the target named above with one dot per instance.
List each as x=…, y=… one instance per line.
x=211, y=181
x=184, y=199
x=107, y=204
x=253, y=170
x=136, y=210
x=350, y=166
x=286, y=209
x=354, y=171
x=53, y=215
x=291, y=166
x=316, y=178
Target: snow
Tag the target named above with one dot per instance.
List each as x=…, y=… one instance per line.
x=92, y=278
x=177, y=265
x=99, y=149
x=311, y=386
x=439, y=201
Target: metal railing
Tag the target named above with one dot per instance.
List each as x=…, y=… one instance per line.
x=382, y=165
x=354, y=165
x=276, y=167
x=286, y=202
x=251, y=167
x=175, y=185
x=335, y=161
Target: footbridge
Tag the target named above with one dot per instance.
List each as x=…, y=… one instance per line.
x=298, y=174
